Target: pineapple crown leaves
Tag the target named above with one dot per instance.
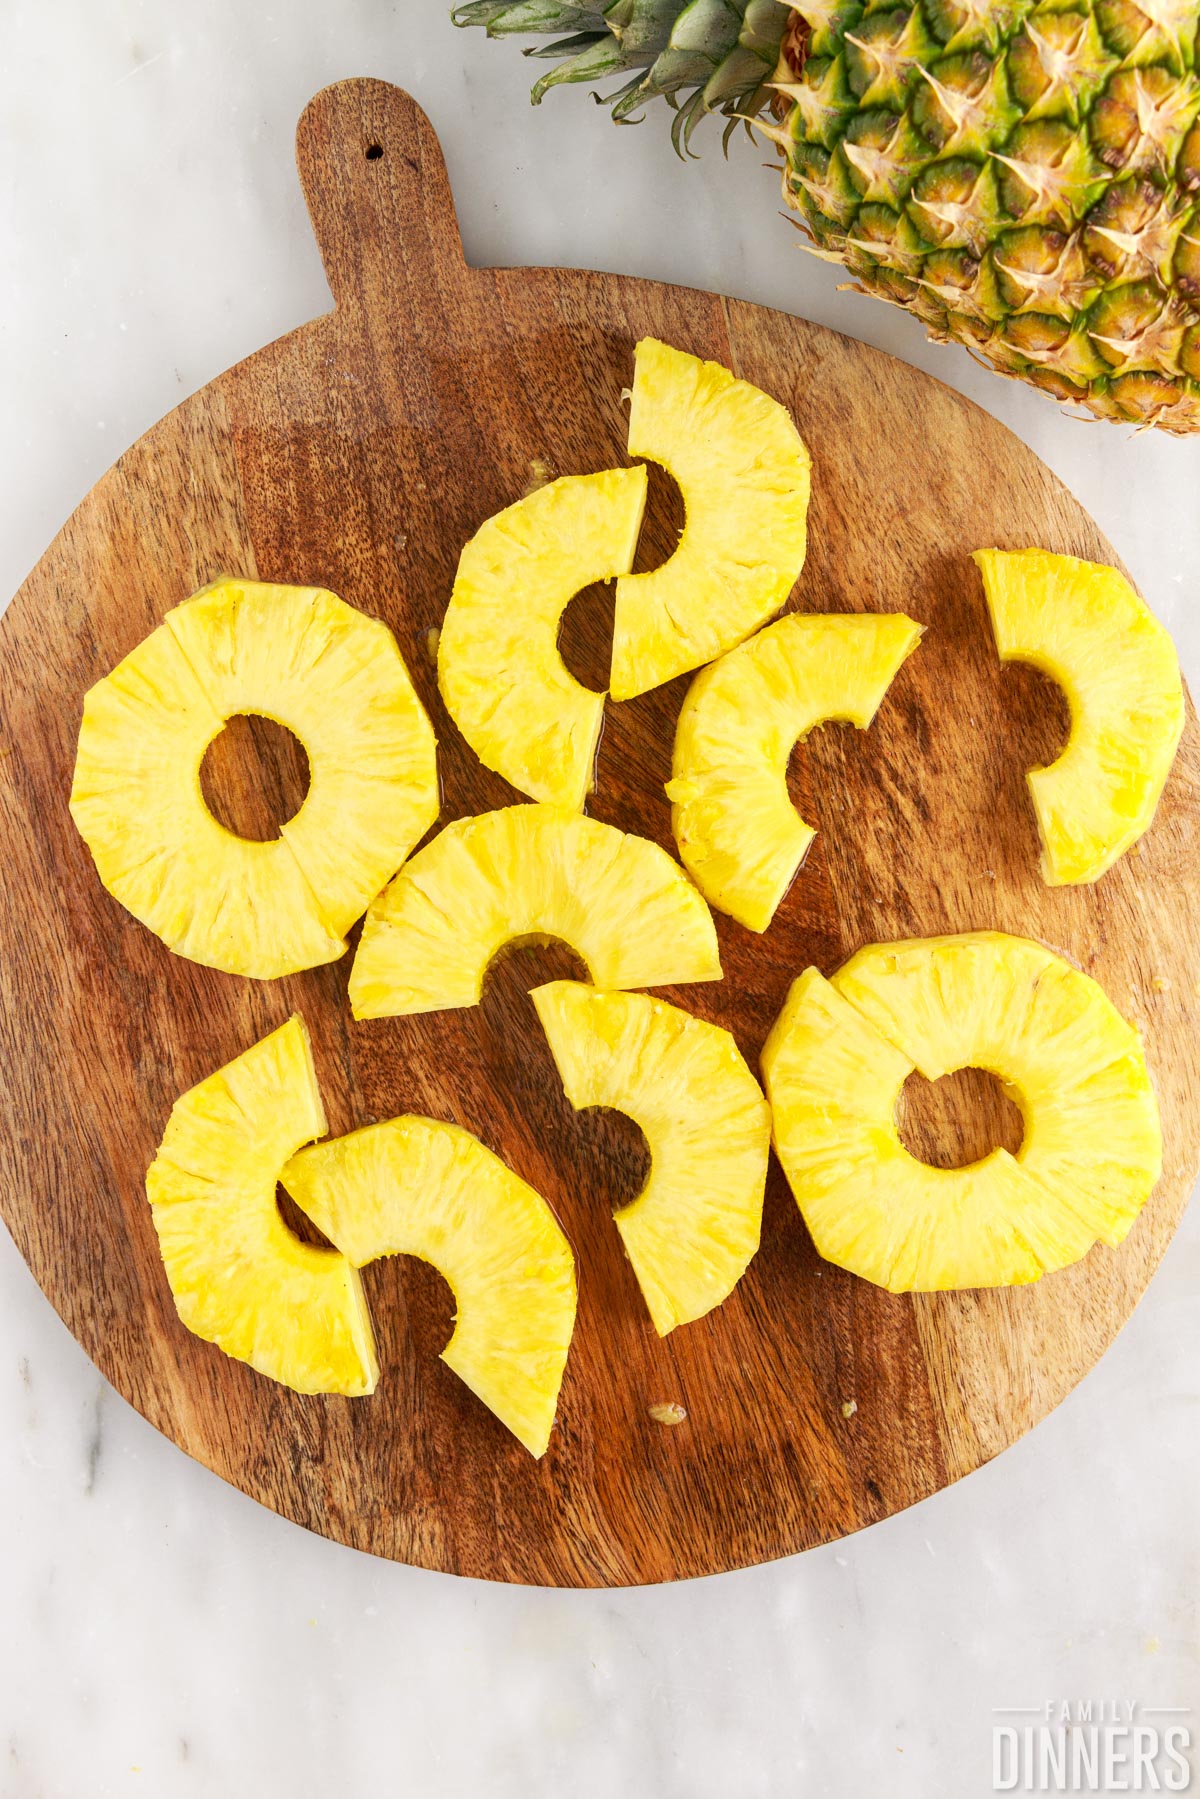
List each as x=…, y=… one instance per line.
x=706, y=56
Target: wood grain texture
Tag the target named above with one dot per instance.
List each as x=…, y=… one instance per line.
x=360, y=453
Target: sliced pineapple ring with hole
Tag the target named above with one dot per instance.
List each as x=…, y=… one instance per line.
x=240, y=1278
x=694, y=1227
x=743, y=471
x=333, y=677
x=529, y=871
x=840, y=1052
x=740, y=838
x=412, y=1186
x=1084, y=626
x=504, y=683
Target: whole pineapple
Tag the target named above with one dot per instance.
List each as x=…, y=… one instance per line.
x=1024, y=177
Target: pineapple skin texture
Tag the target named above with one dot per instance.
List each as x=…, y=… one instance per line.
x=239, y=1277
x=744, y=473
x=332, y=676
x=1023, y=178
x=1086, y=627
x=840, y=1052
x=739, y=836
x=529, y=871
x=504, y=683
x=692, y=1231
x=412, y=1186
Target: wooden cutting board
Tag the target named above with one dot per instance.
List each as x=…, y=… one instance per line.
x=360, y=453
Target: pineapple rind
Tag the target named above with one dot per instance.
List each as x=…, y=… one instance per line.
x=500, y=674
x=239, y=1277
x=739, y=836
x=743, y=471
x=529, y=871
x=838, y=1056
x=1086, y=627
x=412, y=1186
x=692, y=1231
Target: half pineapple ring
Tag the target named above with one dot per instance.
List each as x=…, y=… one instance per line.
x=743, y=471
x=504, y=683
x=332, y=676
x=740, y=838
x=840, y=1052
x=529, y=871
x=695, y=1225
x=1084, y=625
x=240, y=1278
x=412, y=1186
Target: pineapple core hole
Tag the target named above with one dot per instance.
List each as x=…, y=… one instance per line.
x=958, y=1120
x=254, y=777
x=585, y=630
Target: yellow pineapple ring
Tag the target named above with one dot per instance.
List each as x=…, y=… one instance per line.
x=240, y=1278
x=743, y=471
x=840, y=1052
x=739, y=836
x=332, y=676
x=692, y=1230
x=529, y=871
x=411, y=1186
x=1084, y=625
x=504, y=683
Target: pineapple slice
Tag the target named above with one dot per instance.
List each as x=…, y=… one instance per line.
x=692, y=1230
x=240, y=1278
x=1084, y=625
x=840, y=1052
x=739, y=836
x=743, y=471
x=529, y=871
x=332, y=676
x=411, y=1186
x=504, y=683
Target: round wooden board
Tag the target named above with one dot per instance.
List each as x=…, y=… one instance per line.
x=360, y=453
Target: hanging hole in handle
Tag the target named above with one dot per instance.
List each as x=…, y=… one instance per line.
x=374, y=152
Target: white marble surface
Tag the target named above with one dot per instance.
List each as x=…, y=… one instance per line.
x=164, y=1636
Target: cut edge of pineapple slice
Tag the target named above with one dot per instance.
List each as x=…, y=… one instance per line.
x=739, y=835
x=529, y=871
x=414, y=1186
x=693, y=1229
x=239, y=1277
x=834, y=1065
x=744, y=474
x=500, y=672
x=1087, y=628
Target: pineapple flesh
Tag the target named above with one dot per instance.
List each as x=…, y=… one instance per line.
x=240, y=1278
x=743, y=471
x=840, y=1052
x=1024, y=178
x=411, y=1186
x=739, y=836
x=1085, y=627
x=504, y=683
x=522, y=872
x=332, y=676
x=693, y=1229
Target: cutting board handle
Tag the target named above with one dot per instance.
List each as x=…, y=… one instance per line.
x=378, y=196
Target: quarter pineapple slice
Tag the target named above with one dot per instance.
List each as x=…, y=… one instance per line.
x=1084, y=625
x=411, y=1186
x=840, y=1052
x=240, y=1278
x=332, y=676
x=739, y=835
x=504, y=683
x=743, y=471
x=692, y=1230
x=529, y=871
